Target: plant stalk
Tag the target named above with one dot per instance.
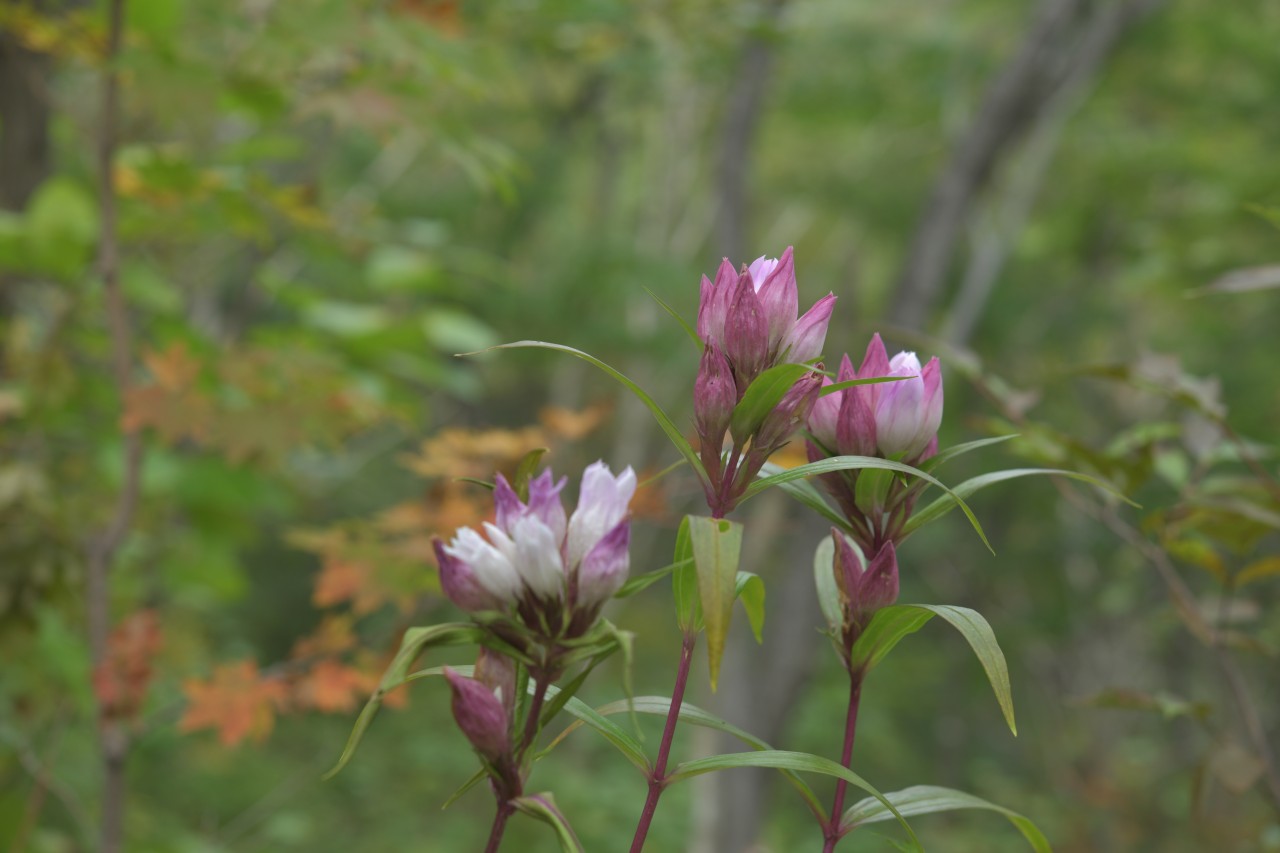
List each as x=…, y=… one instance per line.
x=831, y=832
x=657, y=779
x=499, y=826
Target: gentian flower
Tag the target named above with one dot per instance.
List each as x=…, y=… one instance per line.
x=747, y=323
x=556, y=572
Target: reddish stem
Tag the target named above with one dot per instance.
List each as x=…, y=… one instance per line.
x=541, y=681
x=499, y=826
x=657, y=778
x=831, y=833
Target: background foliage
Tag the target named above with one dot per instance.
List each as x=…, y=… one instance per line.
x=321, y=201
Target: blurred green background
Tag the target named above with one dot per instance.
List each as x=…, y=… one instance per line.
x=1073, y=203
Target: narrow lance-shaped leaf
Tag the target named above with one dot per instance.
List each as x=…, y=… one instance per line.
x=667, y=425
x=415, y=641
x=717, y=546
x=949, y=501
x=660, y=706
x=676, y=316
x=929, y=799
x=543, y=807
x=750, y=591
x=849, y=463
x=761, y=398
x=807, y=494
x=892, y=623
x=800, y=762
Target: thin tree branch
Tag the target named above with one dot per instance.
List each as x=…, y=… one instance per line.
x=1067, y=39
x=102, y=550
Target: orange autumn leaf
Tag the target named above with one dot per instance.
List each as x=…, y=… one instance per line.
x=237, y=702
x=334, y=635
x=120, y=680
x=332, y=686
x=347, y=580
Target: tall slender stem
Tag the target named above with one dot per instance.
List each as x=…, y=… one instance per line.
x=541, y=682
x=831, y=833
x=499, y=826
x=657, y=779
x=113, y=737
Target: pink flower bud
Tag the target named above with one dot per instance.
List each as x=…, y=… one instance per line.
x=804, y=340
x=825, y=415
x=746, y=333
x=714, y=396
x=459, y=584
x=908, y=412
x=713, y=307
x=864, y=588
x=604, y=569
x=604, y=501
x=480, y=715
x=544, y=503
x=498, y=673
x=791, y=412
x=775, y=286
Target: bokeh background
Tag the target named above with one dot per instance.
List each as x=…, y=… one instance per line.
x=320, y=202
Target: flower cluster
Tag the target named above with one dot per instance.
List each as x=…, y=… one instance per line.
x=894, y=420
x=553, y=572
x=747, y=323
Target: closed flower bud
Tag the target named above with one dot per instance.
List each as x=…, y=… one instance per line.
x=864, y=588
x=459, y=584
x=790, y=414
x=604, y=569
x=480, y=715
x=714, y=396
x=908, y=412
x=498, y=673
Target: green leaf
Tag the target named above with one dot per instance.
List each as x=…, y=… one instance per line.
x=660, y=706
x=615, y=734
x=1258, y=570
x=676, y=315
x=414, y=643
x=761, y=398
x=891, y=624
x=847, y=463
x=947, y=502
x=801, y=762
x=524, y=472
x=824, y=579
x=717, y=547
x=850, y=383
x=960, y=449
x=684, y=581
x=543, y=807
x=664, y=420
x=749, y=589
x=476, y=778
x=807, y=494
x=929, y=799
x=648, y=579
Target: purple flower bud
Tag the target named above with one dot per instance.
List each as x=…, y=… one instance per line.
x=498, y=673
x=879, y=583
x=603, y=502
x=825, y=416
x=604, y=569
x=746, y=333
x=791, y=412
x=775, y=286
x=538, y=560
x=713, y=308
x=804, y=341
x=489, y=564
x=481, y=716
x=544, y=503
x=459, y=584
x=909, y=412
x=864, y=588
x=714, y=396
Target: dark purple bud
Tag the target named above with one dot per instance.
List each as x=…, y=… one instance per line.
x=459, y=584
x=714, y=396
x=498, y=673
x=480, y=715
x=746, y=333
x=713, y=307
x=878, y=586
x=775, y=285
x=604, y=568
x=790, y=414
